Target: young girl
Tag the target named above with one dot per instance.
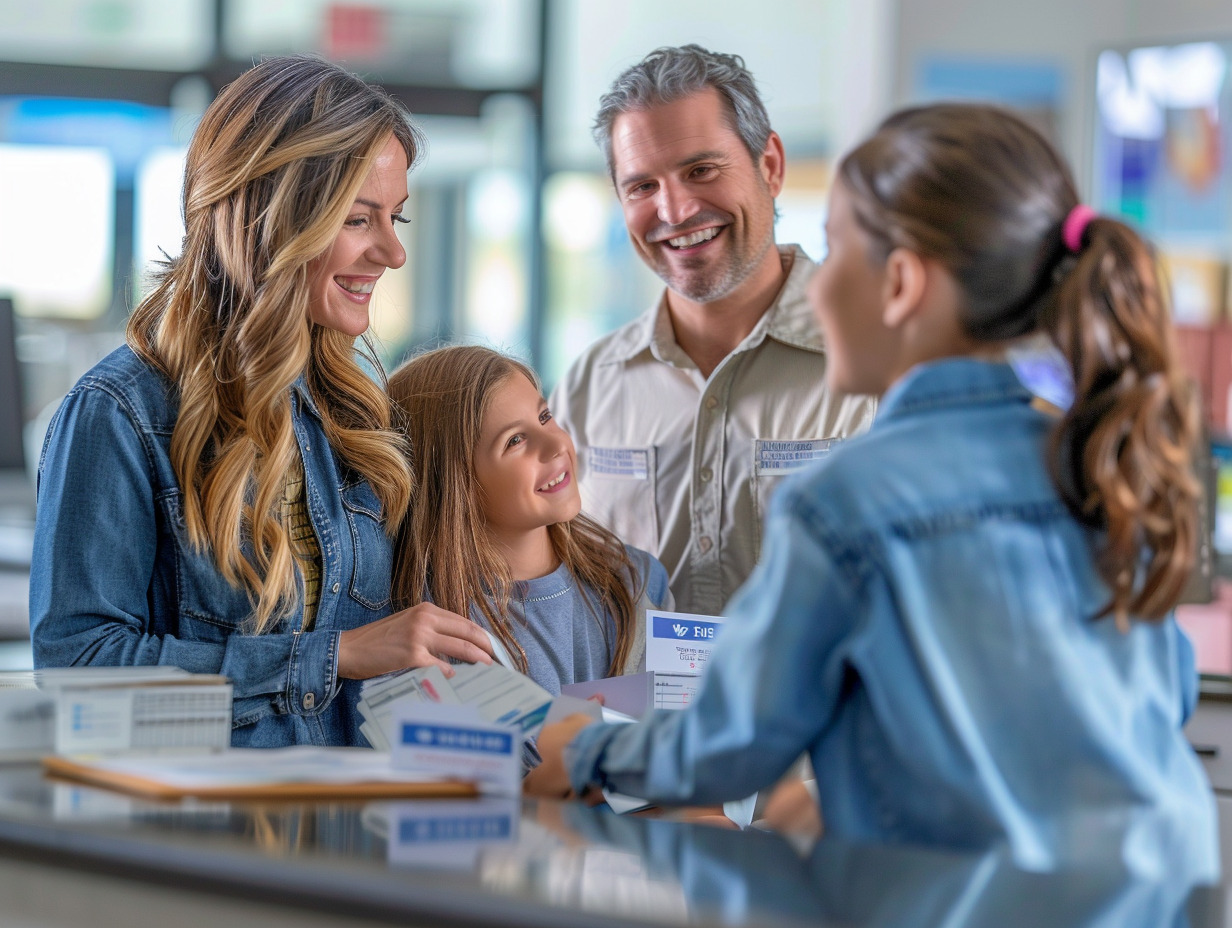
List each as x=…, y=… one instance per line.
x=496, y=529
x=964, y=615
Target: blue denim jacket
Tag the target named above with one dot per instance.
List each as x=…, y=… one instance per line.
x=114, y=579
x=921, y=624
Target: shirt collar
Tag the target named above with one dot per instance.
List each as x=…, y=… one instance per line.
x=789, y=320
x=949, y=383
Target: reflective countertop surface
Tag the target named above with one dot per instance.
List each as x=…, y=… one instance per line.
x=508, y=862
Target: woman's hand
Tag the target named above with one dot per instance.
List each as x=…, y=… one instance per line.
x=417, y=637
x=550, y=778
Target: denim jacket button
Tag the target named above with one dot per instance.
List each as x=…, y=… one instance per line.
x=336, y=587
x=310, y=700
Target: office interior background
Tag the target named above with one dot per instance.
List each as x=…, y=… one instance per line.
x=516, y=239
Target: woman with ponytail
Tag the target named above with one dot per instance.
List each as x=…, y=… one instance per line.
x=220, y=494
x=964, y=616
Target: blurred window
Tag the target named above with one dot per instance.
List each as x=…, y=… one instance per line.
x=173, y=35
x=487, y=44
x=158, y=225
x=55, y=242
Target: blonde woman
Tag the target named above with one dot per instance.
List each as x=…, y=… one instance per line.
x=220, y=493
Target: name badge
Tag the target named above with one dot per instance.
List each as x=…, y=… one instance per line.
x=453, y=742
x=775, y=458
x=622, y=463
x=679, y=642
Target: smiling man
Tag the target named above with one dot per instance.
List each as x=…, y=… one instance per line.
x=686, y=418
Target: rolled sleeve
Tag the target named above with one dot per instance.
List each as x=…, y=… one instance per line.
x=772, y=686
x=313, y=675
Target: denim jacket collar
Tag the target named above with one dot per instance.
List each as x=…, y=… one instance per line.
x=948, y=383
x=301, y=387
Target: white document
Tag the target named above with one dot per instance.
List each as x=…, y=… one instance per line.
x=675, y=690
x=498, y=650
x=497, y=694
x=382, y=695
x=440, y=741
x=679, y=642
x=259, y=766
x=502, y=695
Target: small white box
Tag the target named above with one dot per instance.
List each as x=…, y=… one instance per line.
x=105, y=710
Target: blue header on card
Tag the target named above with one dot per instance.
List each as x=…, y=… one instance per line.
x=455, y=828
x=453, y=738
x=684, y=629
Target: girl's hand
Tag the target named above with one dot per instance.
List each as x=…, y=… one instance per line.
x=550, y=778
x=417, y=637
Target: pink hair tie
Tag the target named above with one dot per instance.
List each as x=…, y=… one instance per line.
x=1075, y=226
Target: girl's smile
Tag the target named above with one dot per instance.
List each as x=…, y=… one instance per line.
x=524, y=464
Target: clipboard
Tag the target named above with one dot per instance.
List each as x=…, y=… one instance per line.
x=261, y=774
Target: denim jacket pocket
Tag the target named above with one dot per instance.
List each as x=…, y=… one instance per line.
x=373, y=562
x=210, y=609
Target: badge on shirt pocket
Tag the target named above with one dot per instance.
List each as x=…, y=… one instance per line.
x=618, y=490
x=774, y=459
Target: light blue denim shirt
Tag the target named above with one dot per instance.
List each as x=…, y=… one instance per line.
x=922, y=624
x=115, y=581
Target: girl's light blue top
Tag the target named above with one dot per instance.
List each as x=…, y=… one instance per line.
x=922, y=623
x=566, y=633
x=114, y=579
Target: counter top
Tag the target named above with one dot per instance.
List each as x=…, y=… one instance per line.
x=522, y=863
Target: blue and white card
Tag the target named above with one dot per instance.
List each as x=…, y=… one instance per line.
x=454, y=742
x=450, y=834
x=679, y=642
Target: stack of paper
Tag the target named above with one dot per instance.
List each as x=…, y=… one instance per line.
x=107, y=709
x=257, y=773
x=27, y=718
x=497, y=693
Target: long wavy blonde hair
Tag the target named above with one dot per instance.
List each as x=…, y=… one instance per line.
x=444, y=549
x=978, y=189
x=272, y=171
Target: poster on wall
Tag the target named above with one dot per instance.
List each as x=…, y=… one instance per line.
x=1034, y=89
x=1161, y=141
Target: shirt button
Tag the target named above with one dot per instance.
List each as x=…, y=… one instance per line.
x=704, y=543
x=706, y=474
x=310, y=700
x=712, y=402
x=337, y=586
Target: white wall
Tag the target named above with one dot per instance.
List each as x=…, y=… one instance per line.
x=822, y=66
x=1068, y=33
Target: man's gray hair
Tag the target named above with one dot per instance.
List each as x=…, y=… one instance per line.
x=670, y=74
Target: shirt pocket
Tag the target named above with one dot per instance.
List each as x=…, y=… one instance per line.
x=774, y=459
x=208, y=607
x=619, y=491
x=373, y=555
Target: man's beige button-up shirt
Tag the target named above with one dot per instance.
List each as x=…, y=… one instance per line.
x=683, y=466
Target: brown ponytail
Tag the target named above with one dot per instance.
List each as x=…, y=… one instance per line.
x=979, y=190
x=1121, y=452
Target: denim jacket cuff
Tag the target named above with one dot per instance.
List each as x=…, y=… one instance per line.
x=582, y=754
x=313, y=678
